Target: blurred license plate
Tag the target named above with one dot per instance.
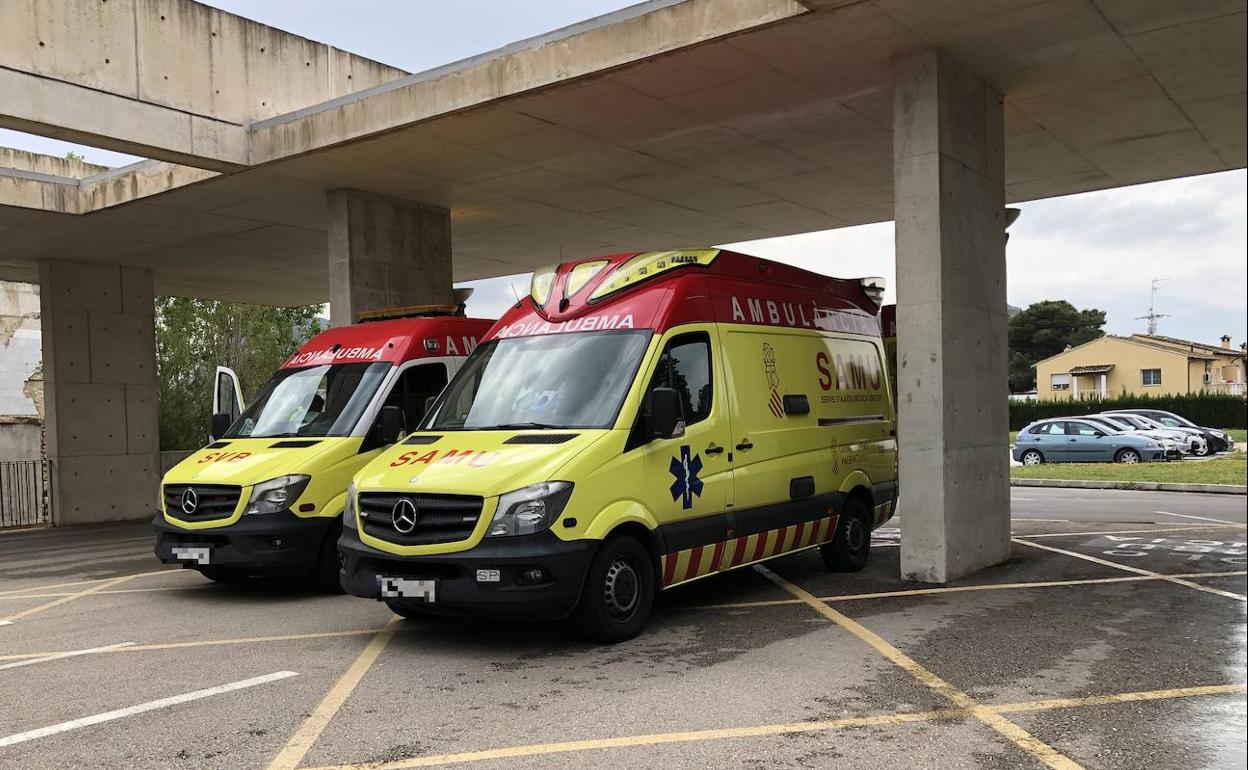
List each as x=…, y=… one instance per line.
x=196, y=554
x=406, y=588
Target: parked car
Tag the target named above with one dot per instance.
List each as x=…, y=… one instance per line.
x=1192, y=442
x=1218, y=441
x=1077, y=440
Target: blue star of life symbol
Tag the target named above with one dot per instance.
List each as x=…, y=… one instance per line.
x=687, y=483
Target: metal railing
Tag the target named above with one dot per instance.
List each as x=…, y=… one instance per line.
x=25, y=492
x=1229, y=388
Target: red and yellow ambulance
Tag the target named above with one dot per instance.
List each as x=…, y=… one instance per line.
x=266, y=496
x=637, y=422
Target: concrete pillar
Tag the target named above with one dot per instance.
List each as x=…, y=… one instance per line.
x=951, y=317
x=385, y=252
x=99, y=381
x=1074, y=386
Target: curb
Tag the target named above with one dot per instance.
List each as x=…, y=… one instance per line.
x=1147, y=486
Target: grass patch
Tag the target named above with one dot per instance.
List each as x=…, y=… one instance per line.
x=1230, y=469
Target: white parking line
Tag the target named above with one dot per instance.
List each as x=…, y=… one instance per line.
x=60, y=655
x=141, y=708
x=1198, y=518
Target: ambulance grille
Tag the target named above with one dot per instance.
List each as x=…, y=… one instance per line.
x=440, y=518
x=212, y=501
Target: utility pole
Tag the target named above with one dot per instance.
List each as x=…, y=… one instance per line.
x=1153, y=315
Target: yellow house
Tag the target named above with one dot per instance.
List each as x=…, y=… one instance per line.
x=1139, y=364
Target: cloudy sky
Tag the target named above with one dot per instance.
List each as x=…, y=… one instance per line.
x=1096, y=250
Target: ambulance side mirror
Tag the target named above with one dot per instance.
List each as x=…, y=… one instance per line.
x=391, y=425
x=666, y=418
x=219, y=425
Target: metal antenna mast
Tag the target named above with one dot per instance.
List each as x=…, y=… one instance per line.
x=1153, y=315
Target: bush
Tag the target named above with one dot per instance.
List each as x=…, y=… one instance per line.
x=1207, y=409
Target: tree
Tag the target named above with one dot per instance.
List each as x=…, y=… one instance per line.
x=194, y=336
x=1044, y=329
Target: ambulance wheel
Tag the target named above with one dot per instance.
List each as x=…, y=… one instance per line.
x=217, y=576
x=325, y=573
x=851, y=543
x=618, y=593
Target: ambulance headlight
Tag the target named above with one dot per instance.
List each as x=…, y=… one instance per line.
x=530, y=509
x=277, y=494
x=348, y=510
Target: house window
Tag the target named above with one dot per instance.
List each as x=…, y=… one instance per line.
x=1150, y=376
x=1059, y=381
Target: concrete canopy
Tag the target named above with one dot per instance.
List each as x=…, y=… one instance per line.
x=691, y=122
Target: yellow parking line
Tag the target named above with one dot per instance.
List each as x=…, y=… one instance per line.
x=293, y=752
x=1122, y=697
x=1133, y=531
x=961, y=589
x=1016, y=734
x=563, y=747
x=101, y=593
x=93, y=580
x=1136, y=570
x=212, y=643
x=64, y=599
x=728, y=733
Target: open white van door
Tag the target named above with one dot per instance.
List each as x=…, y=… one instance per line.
x=227, y=400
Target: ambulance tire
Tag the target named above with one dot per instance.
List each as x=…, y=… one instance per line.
x=851, y=543
x=325, y=573
x=619, y=591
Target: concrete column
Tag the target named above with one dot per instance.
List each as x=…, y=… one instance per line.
x=1074, y=386
x=951, y=317
x=99, y=382
x=385, y=252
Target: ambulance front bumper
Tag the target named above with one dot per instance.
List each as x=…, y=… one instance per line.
x=275, y=544
x=535, y=577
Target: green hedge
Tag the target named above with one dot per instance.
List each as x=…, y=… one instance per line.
x=1209, y=410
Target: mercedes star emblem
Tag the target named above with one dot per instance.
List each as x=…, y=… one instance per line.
x=190, y=500
x=404, y=515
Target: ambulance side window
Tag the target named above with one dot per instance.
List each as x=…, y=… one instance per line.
x=413, y=388
x=685, y=364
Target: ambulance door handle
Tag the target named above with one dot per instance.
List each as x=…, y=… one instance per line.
x=713, y=450
x=745, y=445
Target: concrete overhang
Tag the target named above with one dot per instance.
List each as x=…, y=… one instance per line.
x=682, y=122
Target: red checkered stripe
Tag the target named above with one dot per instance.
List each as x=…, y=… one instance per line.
x=695, y=562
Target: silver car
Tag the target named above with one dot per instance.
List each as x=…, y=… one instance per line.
x=1077, y=440
x=1192, y=441
x=1189, y=444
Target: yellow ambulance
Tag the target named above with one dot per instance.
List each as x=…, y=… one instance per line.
x=265, y=497
x=637, y=422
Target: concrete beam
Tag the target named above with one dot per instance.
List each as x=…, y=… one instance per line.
x=385, y=252
x=99, y=369
x=951, y=318
x=169, y=79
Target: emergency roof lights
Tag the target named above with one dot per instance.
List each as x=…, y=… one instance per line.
x=649, y=264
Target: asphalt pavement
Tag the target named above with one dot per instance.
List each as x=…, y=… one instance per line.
x=1114, y=637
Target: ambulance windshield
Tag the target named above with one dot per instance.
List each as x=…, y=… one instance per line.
x=573, y=380
x=322, y=400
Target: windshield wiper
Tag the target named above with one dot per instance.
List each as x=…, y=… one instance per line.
x=279, y=435
x=520, y=426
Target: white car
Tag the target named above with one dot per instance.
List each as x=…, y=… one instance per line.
x=1192, y=441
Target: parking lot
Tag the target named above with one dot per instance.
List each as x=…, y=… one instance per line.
x=1114, y=637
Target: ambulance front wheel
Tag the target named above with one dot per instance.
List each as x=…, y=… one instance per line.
x=619, y=591
x=851, y=543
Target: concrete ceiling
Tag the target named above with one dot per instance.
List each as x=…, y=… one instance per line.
x=616, y=136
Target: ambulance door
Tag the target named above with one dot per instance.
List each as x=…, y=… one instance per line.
x=686, y=481
x=227, y=400
x=781, y=456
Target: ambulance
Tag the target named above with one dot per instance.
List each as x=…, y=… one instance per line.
x=637, y=422
x=265, y=497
